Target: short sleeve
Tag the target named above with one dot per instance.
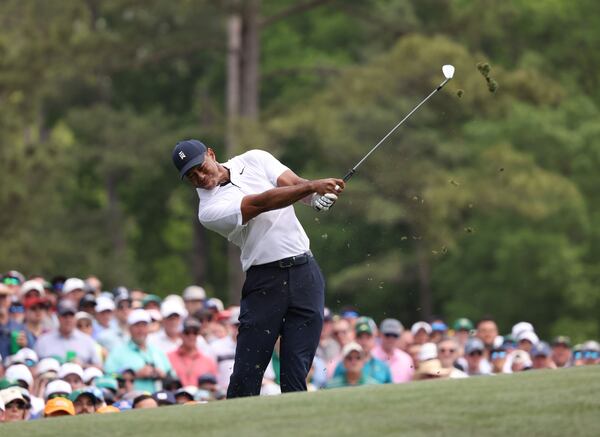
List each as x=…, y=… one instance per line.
x=271, y=165
x=223, y=214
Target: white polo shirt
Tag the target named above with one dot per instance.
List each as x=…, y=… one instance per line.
x=268, y=237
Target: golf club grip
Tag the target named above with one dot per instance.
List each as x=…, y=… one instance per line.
x=349, y=175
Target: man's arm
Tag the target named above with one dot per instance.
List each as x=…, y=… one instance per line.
x=289, y=178
x=286, y=195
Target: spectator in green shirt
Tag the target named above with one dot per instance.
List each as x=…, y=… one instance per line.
x=353, y=362
x=149, y=364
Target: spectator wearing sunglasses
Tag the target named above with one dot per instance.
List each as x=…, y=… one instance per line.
x=400, y=363
x=354, y=359
x=591, y=352
x=561, y=351
x=541, y=356
x=16, y=407
x=448, y=351
x=188, y=362
x=36, y=315
x=476, y=363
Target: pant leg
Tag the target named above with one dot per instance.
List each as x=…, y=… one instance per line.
x=302, y=325
x=263, y=305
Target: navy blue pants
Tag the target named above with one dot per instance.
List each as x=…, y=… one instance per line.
x=286, y=302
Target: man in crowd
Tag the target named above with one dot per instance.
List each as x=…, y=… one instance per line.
x=421, y=332
x=149, y=364
x=400, y=363
x=86, y=400
x=66, y=340
x=36, y=315
x=354, y=360
x=118, y=334
x=474, y=355
x=73, y=290
x=168, y=338
x=10, y=328
x=541, y=356
x=194, y=297
x=224, y=350
x=365, y=330
x=561, y=351
x=187, y=361
x=16, y=406
x=462, y=330
x=448, y=351
x=487, y=331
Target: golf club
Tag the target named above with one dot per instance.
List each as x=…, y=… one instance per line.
x=448, y=71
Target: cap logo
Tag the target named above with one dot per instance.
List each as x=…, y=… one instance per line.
x=182, y=155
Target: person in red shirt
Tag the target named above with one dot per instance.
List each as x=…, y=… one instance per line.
x=187, y=360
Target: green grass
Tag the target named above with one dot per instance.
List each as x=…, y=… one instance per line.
x=544, y=403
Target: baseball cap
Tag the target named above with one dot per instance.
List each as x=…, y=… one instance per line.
x=561, y=340
x=521, y=357
x=19, y=372
x=65, y=307
x=32, y=286
x=540, y=349
x=194, y=292
x=439, y=326
x=88, y=300
x=215, y=303
x=170, y=307
x=12, y=394
x=108, y=409
x=92, y=392
x=529, y=336
x=123, y=405
x=207, y=378
x=73, y=284
x=191, y=323
x=163, y=398
x=591, y=345
x=391, y=326
x=104, y=304
x=351, y=347
x=107, y=382
x=90, y=373
x=13, y=274
x=520, y=327
x=56, y=405
x=83, y=315
x=26, y=356
x=365, y=325
x=138, y=396
x=420, y=325
x=327, y=315
x=474, y=344
x=188, y=390
x=48, y=365
x=188, y=154
x=70, y=369
x=462, y=324
x=34, y=300
x=57, y=387
x=138, y=316
x=151, y=298
x=428, y=351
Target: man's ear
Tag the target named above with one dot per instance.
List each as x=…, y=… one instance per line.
x=211, y=153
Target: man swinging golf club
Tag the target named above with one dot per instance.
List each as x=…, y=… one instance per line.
x=248, y=200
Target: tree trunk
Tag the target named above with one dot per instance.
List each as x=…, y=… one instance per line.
x=200, y=253
x=425, y=298
x=234, y=46
x=250, y=59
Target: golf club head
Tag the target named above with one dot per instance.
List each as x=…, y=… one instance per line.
x=448, y=71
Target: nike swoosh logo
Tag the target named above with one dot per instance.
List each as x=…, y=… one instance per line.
x=241, y=172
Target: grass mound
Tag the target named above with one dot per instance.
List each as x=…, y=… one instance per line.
x=548, y=403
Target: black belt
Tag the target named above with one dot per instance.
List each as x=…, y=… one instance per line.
x=286, y=263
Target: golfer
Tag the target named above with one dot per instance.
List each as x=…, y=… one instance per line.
x=248, y=200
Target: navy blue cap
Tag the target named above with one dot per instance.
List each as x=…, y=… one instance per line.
x=540, y=349
x=164, y=398
x=188, y=154
x=66, y=307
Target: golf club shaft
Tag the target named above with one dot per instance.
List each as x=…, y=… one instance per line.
x=353, y=170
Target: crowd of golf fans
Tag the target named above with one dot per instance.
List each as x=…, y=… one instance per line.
x=67, y=348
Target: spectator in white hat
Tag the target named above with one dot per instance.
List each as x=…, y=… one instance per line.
x=46, y=371
x=119, y=333
x=168, y=338
x=22, y=375
x=73, y=289
x=67, y=340
x=16, y=407
x=149, y=363
x=104, y=314
x=194, y=297
x=526, y=340
x=57, y=388
x=354, y=362
x=31, y=288
x=421, y=332
x=73, y=374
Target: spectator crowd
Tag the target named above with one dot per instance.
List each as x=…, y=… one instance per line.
x=67, y=348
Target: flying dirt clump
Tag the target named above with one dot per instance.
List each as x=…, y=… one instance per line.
x=460, y=93
x=485, y=69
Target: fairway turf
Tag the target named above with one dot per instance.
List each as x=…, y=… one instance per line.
x=545, y=403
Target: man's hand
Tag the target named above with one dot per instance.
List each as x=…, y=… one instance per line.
x=323, y=203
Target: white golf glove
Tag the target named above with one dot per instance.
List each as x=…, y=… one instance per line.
x=324, y=202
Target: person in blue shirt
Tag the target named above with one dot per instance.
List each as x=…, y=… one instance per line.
x=374, y=368
x=7, y=327
x=149, y=363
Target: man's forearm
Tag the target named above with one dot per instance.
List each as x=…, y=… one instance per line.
x=275, y=198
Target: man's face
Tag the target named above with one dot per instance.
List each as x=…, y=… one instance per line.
x=342, y=332
x=389, y=341
x=66, y=323
x=36, y=313
x=525, y=345
x=104, y=317
x=189, y=337
x=353, y=362
x=139, y=332
x=366, y=341
x=421, y=337
x=194, y=305
x=540, y=362
x=205, y=176
x=123, y=310
x=15, y=411
x=171, y=324
x=498, y=358
x=487, y=331
x=473, y=359
x=447, y=353
x=84, y=405
x=85, y=326
x=74, y=381
x=561, y=354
